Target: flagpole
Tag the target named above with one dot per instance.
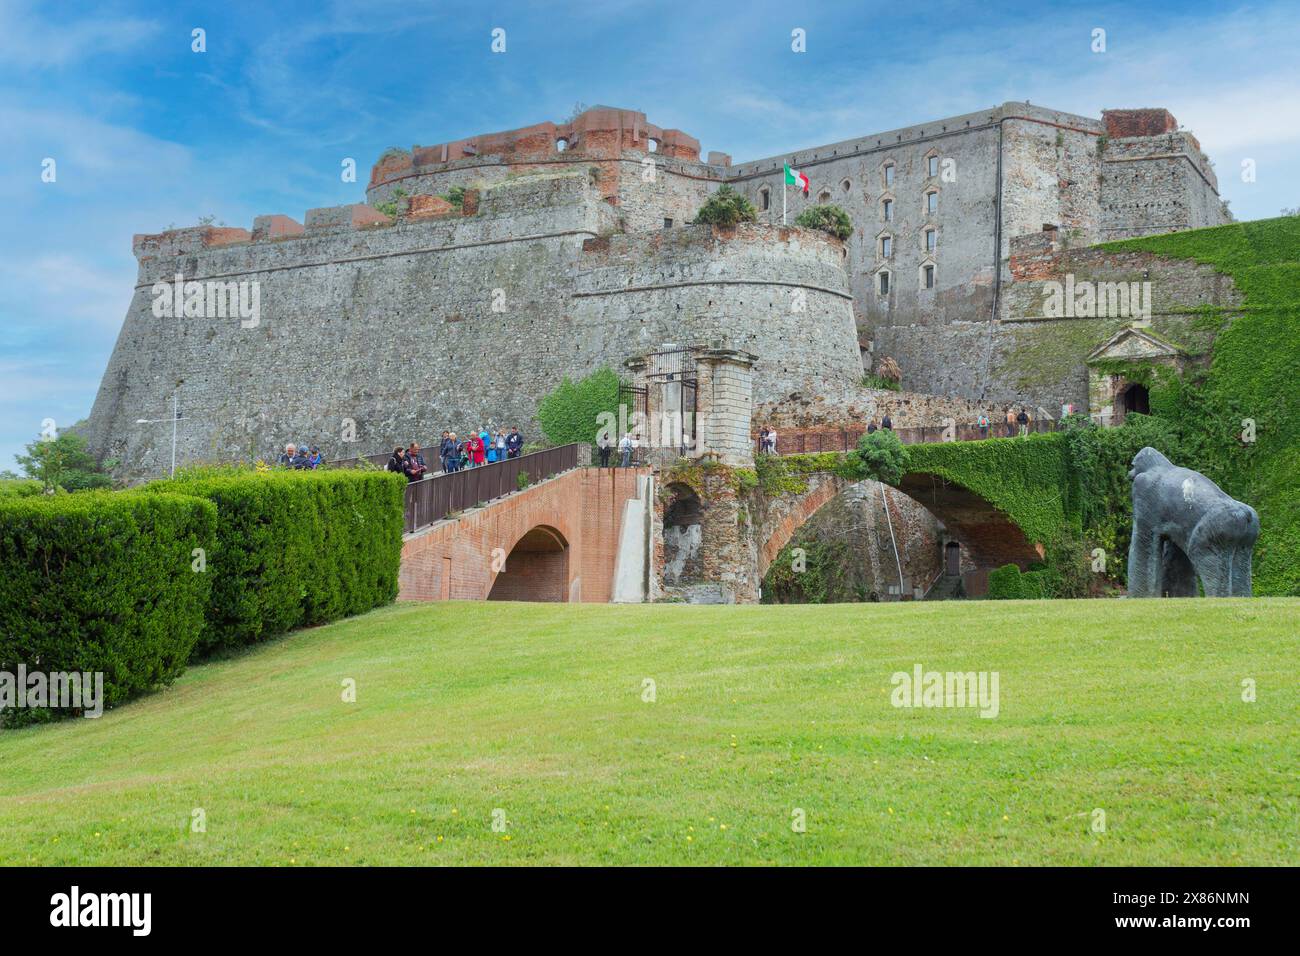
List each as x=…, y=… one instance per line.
x=783, y=198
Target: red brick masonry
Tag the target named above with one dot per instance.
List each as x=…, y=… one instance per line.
x=559, y=539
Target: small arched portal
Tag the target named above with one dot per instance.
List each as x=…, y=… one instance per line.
x=536, y=569
x=1135, y=398
x=952, y=559
x=682, y=536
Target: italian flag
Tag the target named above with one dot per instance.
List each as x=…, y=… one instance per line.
x=795, y=178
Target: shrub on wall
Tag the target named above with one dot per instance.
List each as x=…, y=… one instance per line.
x=883, y=456
x=827, y=218
x=572, y=413
x=296, y=548
x=726, y=207
x=103, y=582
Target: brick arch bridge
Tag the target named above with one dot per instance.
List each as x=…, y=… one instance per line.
x=553, y=541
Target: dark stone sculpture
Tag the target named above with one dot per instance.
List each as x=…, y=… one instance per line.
x=1185, y=527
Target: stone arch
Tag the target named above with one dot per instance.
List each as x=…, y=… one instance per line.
x=683, y=531
x=985, y=533
x=536, y=568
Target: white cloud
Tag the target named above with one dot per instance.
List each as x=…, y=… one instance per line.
x=27, y=41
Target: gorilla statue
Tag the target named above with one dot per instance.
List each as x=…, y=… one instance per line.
x=1185, y=527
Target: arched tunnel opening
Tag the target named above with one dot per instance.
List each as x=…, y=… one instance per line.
x=682, y=536
x=536, y=569
x=925, y=539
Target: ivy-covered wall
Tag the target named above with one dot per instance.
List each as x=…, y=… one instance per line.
x=1239, y=419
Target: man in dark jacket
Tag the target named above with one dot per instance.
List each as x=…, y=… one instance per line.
x=514, y=443
x=887, y=423
x=302, y=460
x=415, y=466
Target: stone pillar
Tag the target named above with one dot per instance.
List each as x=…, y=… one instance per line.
x=725, y=406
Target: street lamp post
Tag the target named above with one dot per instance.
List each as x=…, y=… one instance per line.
x=176, y=415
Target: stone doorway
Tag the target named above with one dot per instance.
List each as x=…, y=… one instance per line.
x=952, y=559
x=682, y=536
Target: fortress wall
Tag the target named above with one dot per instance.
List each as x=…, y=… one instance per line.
x=1158, y=184
x=390, y=327
x=739, y=289
x=1050, y=175
x=1044, y=358
x=965, y=221
x=674, y=188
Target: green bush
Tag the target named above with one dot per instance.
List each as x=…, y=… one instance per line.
x=103, y=581
x=19, y=488
x=296, y=548
x=883, y=456
x=1009, y=583
x=63, y=463
x=572, y=413
x=726, y=207
x=828, y=218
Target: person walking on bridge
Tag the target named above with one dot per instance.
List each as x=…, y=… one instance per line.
x=1023, y=421
x=1011, y=422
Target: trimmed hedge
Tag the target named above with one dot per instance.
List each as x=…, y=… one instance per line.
x=19, y=488
x=296, y=548
x=1009, y=583
x=102, y=581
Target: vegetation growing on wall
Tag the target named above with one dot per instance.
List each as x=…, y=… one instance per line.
x=1027, y=478
x=828, y=218
x=726, y=207
x=1250, y=384
x=819, y=574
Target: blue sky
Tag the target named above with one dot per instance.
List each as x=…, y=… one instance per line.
x=147, y=133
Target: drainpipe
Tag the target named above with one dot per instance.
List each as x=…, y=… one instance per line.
x=997, y=264
x=892, y=542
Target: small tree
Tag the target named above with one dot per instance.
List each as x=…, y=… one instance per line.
x=883, y=456
x=572, y=412
x=726, y=207
x=828, y=218
x=63, y=463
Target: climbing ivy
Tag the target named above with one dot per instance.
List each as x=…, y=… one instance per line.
x=1252, y=377
x=1029, y=479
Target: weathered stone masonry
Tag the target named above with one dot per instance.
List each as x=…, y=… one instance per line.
x=570, y=253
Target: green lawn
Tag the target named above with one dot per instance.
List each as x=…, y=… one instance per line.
x=1132, y=707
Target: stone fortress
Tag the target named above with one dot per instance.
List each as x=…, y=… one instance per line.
x=572, y=250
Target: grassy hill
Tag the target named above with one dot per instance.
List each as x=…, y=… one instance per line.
x=1252, y=375
x=1134, y=708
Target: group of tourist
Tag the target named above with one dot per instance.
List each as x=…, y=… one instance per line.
x=301, y=457
x=627, y=446
x=455, y=453
x=767, y=440
x=1015, y=422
